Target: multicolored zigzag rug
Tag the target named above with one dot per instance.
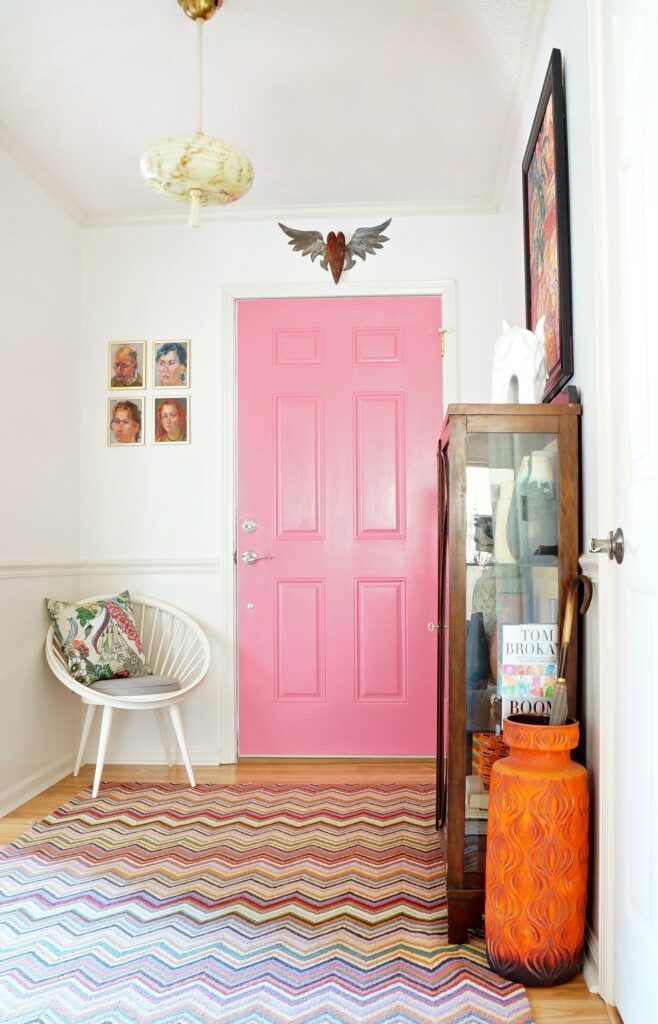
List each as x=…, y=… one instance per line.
x=238, y=904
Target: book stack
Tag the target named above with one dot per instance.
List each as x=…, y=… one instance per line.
x=477, y=798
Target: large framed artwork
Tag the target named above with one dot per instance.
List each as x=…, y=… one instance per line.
x=546, y=230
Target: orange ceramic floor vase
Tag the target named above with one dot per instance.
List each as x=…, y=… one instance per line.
x=537, y=854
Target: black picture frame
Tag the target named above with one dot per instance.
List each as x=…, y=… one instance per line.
x=547, y=245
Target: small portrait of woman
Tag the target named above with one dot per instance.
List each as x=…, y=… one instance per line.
x=125, y=421
x=171, y=364
x=127, y=364
x=172, y=423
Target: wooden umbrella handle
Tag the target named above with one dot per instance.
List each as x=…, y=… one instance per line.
x=569, y=614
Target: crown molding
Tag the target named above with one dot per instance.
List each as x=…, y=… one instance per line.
x=529, y=64
x=179, y=213
x=41, y=177
x=312, y=211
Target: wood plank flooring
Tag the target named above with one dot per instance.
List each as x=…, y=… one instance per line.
x=563, y=1004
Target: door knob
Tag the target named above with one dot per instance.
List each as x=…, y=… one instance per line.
x=249, y=557
x=612, y=545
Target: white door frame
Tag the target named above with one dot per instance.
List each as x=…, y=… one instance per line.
x=605, y=398
x=230, y=296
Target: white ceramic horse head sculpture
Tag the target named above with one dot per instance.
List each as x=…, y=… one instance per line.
x=519, y=365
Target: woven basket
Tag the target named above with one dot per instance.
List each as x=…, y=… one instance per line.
x=491, y=749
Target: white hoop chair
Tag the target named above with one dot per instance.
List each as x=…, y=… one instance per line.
x=174, y=647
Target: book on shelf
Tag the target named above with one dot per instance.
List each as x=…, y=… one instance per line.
x=477, y=798
x=527, y=668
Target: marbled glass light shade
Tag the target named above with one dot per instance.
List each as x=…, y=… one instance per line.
x=197, y=169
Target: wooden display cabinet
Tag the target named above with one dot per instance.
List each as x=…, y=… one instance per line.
x=508, y=546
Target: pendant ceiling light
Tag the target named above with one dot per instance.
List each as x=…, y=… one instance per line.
x=197, y=169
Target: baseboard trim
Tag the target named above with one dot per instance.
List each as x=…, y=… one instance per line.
x=34, y=785
x=199, y=757
x=591, y=961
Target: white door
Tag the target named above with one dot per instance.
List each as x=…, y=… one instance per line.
x=629, y=124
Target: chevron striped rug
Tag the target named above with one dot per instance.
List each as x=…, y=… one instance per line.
x=238, y=904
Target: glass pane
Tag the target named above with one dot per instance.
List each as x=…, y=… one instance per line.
x=512, y=580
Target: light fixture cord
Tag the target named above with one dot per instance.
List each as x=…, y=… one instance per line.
x=199, y=81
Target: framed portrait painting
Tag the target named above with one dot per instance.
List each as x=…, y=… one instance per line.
x=546, y=230
x=171, y=364
x=125, y=421
x=171, y=419
x=127, y=367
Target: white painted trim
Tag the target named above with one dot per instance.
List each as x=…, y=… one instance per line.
x=532, y=59
x=18, y=570
x=152, y=567
x=155, y=755
x=41, y=177
x=34, y=785
x=606, y=358
x=591, y=961
x=141, y=567
x=366, y=213
x=230, y=296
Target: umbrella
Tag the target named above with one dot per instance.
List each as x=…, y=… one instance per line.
x=559, y=703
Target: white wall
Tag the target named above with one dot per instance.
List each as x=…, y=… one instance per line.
x=40, y=262
x=166, y=504
x=567, y=29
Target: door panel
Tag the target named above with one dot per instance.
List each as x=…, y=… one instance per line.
x=339, y=409
x=630, y=40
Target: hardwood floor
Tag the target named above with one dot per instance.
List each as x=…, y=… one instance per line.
x=563, y=1004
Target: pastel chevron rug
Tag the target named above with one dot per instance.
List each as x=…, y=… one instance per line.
x=238, y=904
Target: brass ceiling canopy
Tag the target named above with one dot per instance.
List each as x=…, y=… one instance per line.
x=200, y=8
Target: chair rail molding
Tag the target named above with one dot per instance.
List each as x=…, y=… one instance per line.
x=18, y=570
x=152, y=567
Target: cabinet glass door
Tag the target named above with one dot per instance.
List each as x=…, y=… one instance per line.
x=512, y=588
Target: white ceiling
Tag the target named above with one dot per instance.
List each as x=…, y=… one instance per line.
x=337, y=102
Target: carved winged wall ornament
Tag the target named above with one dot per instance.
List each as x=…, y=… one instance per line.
x=336, y=255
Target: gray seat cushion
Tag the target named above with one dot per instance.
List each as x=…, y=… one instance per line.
x=136, y=686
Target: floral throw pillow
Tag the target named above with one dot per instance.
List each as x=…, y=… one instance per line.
x=99, y=640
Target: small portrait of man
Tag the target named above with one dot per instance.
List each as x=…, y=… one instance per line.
x=127, y=364
x=125, y=416
x=171, y=367
x=172, y=421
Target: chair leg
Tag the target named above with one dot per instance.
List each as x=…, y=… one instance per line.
x=164, y=735
x=177, y=723
x=84, y=735
x=106, y=722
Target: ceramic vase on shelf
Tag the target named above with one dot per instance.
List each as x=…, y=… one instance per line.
x=537, y=854
x=477, y=653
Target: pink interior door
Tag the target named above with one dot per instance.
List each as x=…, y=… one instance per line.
x=339, y=410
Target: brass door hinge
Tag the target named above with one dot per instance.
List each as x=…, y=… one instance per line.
x=443, y=331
